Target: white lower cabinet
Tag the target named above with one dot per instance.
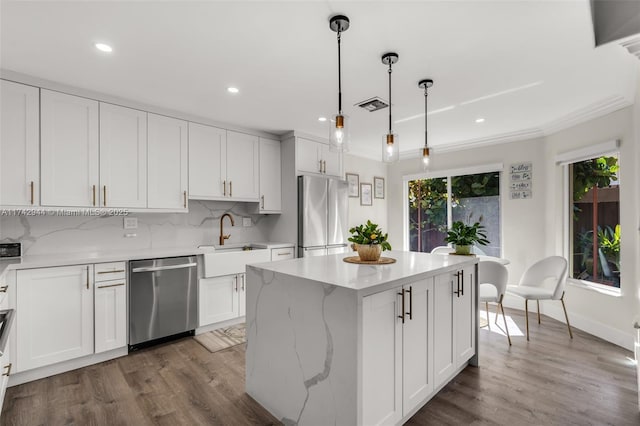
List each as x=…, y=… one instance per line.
x=283, y=253
x=414, y=339
x=110, y=307
x=54, y=315
x=221, y=298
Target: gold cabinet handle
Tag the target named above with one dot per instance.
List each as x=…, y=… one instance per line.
x=4, y=288
x=262, y=198
x=185, y=199
x=284, y=254
x=87, y=278
x=324, y=166
x=242, y=282
x=104, y=195
x=320, y=166
x=403, y=307
x=224, y=188
x=111, y=285
x=8, y=367
x=235, y=280
x=94, y=195
x=111, y=272
x=230, y=188
x=31, y=192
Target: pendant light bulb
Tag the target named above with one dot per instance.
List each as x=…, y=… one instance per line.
x=390, y=145
x=424, y=151
x=339, y=131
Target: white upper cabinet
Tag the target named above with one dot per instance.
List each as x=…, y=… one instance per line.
x=207, y=162
x=19, y=144
x=223, y=165
x=123, y=157
x=315, y=157
x=167, y=163
x=69, y=150
x=270, y=177
x=242, y=166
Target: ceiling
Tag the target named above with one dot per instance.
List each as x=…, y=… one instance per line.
x=519, y=65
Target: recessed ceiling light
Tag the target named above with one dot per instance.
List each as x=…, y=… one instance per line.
x=233, y=89
x=480, y=120
x=322, y=118
x=103, y=47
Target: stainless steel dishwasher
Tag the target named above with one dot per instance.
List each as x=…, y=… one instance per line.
x=163, y=299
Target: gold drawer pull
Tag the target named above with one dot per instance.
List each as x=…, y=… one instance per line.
x=8, y=372
x=115, y=271
x=185, y=199
x=284, y=254
x=4, y=288
x=31, y=192
x=104, y=196
x=94, y=195
x=224, y=186
x=111, y=285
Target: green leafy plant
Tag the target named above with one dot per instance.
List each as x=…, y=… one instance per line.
x=609, y=242
x=368, y=234
x=466, y=235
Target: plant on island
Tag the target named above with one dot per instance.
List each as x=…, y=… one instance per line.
x=369, y=234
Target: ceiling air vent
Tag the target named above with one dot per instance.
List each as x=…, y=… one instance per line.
x=373, y=104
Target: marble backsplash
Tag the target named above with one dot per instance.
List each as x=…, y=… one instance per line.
x=71, y=234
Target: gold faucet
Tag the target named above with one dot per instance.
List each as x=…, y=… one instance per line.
x=222, y=236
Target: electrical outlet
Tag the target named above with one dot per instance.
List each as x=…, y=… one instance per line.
x=246, y=221
x=130, y=223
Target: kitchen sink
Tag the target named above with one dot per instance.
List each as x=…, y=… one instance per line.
x=232, y=259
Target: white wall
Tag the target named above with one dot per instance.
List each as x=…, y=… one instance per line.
x=377, y=213
x=51, y=234
x=534, y=228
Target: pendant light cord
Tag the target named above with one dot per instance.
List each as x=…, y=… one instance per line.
x=426, y=115
x=339, y=77
x=390, y=71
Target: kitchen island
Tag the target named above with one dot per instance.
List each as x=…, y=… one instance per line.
x=329, y=342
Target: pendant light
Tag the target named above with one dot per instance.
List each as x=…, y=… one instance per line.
x=425, y=84
x=390, y=148
x=339, y=132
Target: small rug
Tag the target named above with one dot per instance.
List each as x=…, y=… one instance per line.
x=222, y=338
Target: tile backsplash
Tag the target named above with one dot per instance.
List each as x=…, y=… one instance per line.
x=72, y=234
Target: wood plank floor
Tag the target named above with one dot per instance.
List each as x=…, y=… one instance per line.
x=550, y=380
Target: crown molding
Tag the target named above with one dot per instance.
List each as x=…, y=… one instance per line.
x=632, y=44
x=588, y=113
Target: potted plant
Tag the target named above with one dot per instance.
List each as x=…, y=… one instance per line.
x=369, y=241
x=464, y=236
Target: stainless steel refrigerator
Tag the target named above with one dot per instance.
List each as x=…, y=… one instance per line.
x=322, y=216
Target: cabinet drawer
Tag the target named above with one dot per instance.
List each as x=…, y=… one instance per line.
x=282, y=253
x=110, y=271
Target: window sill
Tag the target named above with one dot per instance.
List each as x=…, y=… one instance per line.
x=599, y=288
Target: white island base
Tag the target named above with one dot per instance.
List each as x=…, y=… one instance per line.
x=331, y=343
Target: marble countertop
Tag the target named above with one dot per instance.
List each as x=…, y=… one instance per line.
x=62, y=259
x=333, y=270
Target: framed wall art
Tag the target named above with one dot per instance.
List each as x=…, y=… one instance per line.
x=366, y=198
x=378, y=187
x=354, y=184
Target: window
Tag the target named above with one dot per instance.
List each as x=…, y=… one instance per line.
x=435, y=203
x=594, y=220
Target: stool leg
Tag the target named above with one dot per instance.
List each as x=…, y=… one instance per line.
x=565, y=315
x=538, y=303
x=506, y=328
x=526, y=315
x=486, y=304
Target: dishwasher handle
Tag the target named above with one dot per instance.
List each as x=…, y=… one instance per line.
x=164, y=268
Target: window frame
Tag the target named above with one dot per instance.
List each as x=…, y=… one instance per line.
x=608, y=148
x=448, y=174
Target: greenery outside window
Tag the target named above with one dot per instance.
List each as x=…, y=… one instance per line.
x=594, y=220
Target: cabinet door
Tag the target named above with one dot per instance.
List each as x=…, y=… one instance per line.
x=110, y=315
x=381, y=359
x=242, y=166
x=123, y=157
x=270, y=176
x=464, y=317
x=218, y=299
x=207, y=162
x=417, y=362
x=19, y=144
x=69, y=150
x=308, y=156
x=443, y=337
x=167, y=162
x=54, y=315
x=332, y=161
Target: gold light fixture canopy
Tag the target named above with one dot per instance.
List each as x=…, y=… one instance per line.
x=425, y=84
x=339, y=130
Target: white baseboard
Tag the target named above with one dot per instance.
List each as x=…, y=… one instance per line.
x=553, y=308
